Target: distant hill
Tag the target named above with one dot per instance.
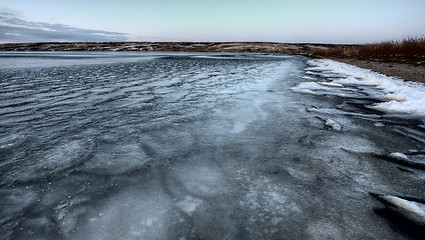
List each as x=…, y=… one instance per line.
x=254, y=47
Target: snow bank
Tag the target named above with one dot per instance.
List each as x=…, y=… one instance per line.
x=399, y=97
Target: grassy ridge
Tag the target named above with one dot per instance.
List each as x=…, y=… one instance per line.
x=406, y=50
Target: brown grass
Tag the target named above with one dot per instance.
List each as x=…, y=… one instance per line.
x=406, y=50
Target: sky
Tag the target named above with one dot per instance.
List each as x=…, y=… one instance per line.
x=314, y=21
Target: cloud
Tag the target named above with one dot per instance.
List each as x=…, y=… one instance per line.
x=15, y=29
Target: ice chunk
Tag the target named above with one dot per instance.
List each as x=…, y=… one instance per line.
x=396, y=97
x=414, y=107
x=331, y=84
x=410, y=210
x=399, y=156
x=308, y=87
x=379, y=124
x=308, y=78
x=332, y=124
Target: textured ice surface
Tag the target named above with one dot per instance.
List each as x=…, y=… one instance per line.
x=195, y=146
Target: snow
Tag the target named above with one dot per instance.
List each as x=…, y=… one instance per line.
x=399, y=97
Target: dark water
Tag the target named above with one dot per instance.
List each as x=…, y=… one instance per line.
x=190, y=146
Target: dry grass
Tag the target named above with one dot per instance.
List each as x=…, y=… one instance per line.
x=406, y=50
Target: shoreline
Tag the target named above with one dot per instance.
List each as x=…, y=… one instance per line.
x=408, y=71
x=404, y=71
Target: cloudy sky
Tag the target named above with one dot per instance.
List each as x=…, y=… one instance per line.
x=324, y=21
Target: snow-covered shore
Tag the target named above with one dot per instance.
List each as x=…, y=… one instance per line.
x=397, y=96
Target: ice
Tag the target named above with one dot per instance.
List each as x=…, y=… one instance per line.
x=116, y=159
x=333, y=124
x=134, y=213
x=332, y=84
x=410, y=206
x=14, y=201
x=224, y=149
x=331, y=111
x=309, y=87
x=324, y=230
x=189, y=205
x=308, y=78
x=53, y=162
x=399, y=156
x=414, y=107
x=11, y=140
x=396, y=97
x=200, y=178
x=410, y=210
x=379, y=124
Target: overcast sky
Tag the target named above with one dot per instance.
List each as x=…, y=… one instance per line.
x=326, y=21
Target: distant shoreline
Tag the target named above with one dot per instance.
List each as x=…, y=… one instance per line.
x=400, y=68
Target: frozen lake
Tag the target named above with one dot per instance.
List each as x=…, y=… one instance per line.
x=200, y=146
